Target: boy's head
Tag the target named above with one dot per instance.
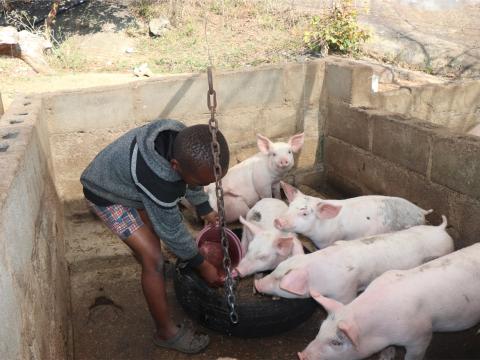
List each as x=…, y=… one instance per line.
x=193, y=158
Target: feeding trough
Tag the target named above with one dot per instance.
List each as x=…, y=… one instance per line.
x=209, y=245
x=259, y=315
x=238, y=311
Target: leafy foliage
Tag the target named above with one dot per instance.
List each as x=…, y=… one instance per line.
x=337, y=31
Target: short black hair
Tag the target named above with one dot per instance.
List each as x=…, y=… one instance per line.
x=193, y=148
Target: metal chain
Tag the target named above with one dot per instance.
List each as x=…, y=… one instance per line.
x=213, y=126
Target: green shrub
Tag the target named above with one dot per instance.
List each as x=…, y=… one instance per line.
x=337, y=31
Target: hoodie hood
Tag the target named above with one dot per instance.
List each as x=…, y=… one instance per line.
x=146, y=145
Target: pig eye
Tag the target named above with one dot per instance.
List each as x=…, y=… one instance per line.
x=274, y=154
x=289, y=151
x=335, y=342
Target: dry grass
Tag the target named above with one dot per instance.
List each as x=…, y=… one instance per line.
x=239, y=33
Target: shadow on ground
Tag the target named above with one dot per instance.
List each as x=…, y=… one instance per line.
x=89, y=17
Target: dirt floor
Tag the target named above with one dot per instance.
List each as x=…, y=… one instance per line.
x=108, y=332
x=112, y=320
x=123, y=330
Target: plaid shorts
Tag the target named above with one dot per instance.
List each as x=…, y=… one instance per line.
x=122, y=220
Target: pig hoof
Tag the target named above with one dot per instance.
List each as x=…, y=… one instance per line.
x=275, y=298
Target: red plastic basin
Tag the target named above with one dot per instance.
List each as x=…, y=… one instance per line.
x=209, y=245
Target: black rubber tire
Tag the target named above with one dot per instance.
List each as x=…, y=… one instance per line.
x=258, y=316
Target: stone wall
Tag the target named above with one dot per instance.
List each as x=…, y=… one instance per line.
x=455, y=105
x=34, y=299
x=371, y=151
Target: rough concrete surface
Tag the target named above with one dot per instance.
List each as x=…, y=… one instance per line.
x=123, y=329
x=55, y=140
x=436, y=36
x=107, y=332
x=453, y=105
x=397, y=155
x=35, y=297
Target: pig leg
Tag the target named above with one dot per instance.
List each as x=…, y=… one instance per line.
x=387, y=353
x=263, y=190
x=416, y=349
x=276, y=191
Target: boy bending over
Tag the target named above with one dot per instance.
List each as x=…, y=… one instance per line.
x=134, y=185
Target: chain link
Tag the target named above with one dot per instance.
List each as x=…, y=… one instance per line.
x=227, y=262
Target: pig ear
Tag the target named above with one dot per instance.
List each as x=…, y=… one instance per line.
x=296, y=142
x=284, y=245
x=290, y=191
x=251, y=226
x=327, y=211
x=295, y=281
x=264, y=144
x=330, y=305
x=349, y=330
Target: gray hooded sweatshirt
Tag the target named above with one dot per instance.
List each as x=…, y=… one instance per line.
x=132, y=172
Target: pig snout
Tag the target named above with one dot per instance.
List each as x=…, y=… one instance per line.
x=243, y=269
x=283, y=163
x=280, y=223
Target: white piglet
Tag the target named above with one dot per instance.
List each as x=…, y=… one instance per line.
x=264, y=246
x=326, y=221
x=262, y=215
x=257, y=177
x=402, y=307
x=342, y=270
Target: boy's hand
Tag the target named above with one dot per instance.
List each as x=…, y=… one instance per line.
x=211, y=218
x=210, y=274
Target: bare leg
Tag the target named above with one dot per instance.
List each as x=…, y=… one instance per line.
x=146, y=247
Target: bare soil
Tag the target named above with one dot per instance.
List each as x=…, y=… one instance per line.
x=121, y=328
